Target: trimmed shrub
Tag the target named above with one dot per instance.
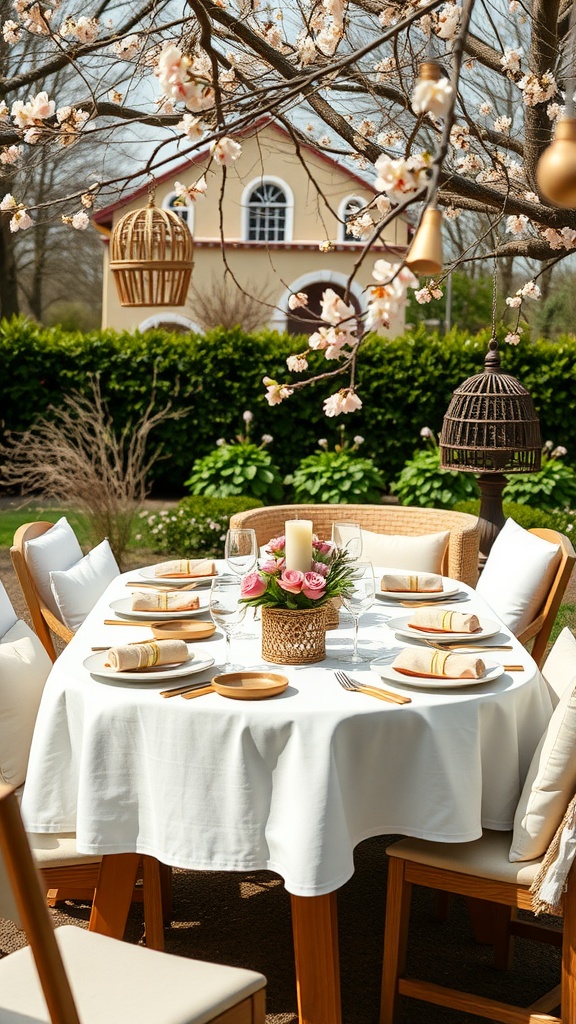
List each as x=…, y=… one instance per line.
x=197, y=527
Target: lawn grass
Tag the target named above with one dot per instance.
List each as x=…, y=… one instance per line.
x=12, y=518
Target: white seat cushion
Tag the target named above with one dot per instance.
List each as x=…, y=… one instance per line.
x=58, y=850
x=56, y=549
x=486, y=857
x=24, y=668
x=550, y=782
x=76, y=590
x=8, y=617
x=117, y=983
x=518, y=574
x=420, y=554
x=560, y=665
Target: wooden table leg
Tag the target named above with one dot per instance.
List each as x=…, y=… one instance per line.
x=113, y=894
x=315, y=931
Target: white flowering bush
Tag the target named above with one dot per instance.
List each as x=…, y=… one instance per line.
x=196, y=527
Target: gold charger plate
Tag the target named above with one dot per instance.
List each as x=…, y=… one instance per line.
x=249, y=685
x=182, y=629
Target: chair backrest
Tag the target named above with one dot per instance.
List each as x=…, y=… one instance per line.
x=43, y=618
x=24, y=882
x=8, y=617
x=401, y=520
x=541, y=626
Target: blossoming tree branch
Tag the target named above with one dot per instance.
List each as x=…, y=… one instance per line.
x=346, y=75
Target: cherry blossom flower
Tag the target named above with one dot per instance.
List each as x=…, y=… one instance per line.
x=397, y=177
x=297, y=299
x=530, y=291
x=38, y=108
x=80, y=220
x=226, y=151
x=191, y=192
x=331, y=340
x=383, y=205
x=448, y=20
x=515, y=225
x=127, y=48
x=360, y=227
x=470, y=164
x=452, y=213
x=8, y=202
x=114, y=96
x=11, y=32
x=432, y=97
x=485, y=109
x=514, y=301
x=180, y=82
x=554, y=111
x=334, y=310
x=192, y=127
x=512, y=338
x=297, y=364
x=20, y=221
x=275, y=392
x=11, y=154
x=460, y=136
x=502, y=124
x=532, y=197
x=344, y=401
x=537, y=90
x=511, y=60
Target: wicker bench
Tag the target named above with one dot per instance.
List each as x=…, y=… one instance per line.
x=403, y=520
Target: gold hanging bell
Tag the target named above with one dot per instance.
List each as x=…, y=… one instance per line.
x=425, y=255
x=430, y=71
x=556, y=169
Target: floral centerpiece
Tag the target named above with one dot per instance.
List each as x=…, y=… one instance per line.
x=274, y=586
x=294, y=602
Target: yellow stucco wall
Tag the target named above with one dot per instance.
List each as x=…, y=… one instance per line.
x=277, y=269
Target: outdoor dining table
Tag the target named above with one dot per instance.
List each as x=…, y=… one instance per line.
x=291, y=784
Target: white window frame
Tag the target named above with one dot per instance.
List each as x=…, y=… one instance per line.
x=186, y=205
x=268, y=179
x=169, y=318
x=342, y=216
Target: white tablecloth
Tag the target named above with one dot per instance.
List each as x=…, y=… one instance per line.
x=292, y=783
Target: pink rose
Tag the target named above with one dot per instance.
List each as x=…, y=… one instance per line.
x=320, y=568
x=314, y=585
x=252, y=585
x=271, y=566
x=292, y=580
x=276, y=545
x=322, y=547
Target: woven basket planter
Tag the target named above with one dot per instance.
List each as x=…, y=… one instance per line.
x=151, y=258
x=294, y=637
x=333, y=607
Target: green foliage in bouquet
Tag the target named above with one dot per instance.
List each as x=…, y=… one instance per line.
x=237, y=467
x=423, y=483
x=340, y=477
x=553, y=486
x=195, y=528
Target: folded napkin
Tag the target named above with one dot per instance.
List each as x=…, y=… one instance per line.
x=440, y=664
x=156, y=652
x=420, y=583
x=441, y=620
x=169, y=601
x=187, y=568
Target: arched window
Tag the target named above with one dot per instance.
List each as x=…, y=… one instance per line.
x=267, y=213
x=350, y=209
x=179, y=205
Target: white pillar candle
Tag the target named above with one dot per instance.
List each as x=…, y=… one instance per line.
x=298, y=551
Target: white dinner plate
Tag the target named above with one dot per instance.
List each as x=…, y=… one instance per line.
x=147, y=573
x=385, y=670
x=123, y=608
x=401, y=627
x=96, y=665
x=449, y=588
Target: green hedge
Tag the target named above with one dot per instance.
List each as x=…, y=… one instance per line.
x=405, y=384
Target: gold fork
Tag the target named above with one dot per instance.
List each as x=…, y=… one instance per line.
x=462, y=645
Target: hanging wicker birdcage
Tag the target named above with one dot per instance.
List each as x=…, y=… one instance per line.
x=491, y=424
x=151, y=258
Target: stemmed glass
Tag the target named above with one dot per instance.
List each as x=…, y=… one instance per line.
x=349, y=537
x=241, y=550
x=227, y=611
x=360, y=599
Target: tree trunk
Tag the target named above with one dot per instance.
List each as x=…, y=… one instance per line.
x=8, y=282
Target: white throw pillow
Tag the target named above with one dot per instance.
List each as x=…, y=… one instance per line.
x=8, y=616
x=58, y=548
x=24, y=668
x=421, y=554
x=560, y=665
x=550, y=783
x=77, y=590
x=517, y=575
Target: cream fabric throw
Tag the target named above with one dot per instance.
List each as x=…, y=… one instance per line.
x=444, y=621
x=549, y=885
x=156, y=652
x=187, y=568
x=419, y=583
x=442, y=664
x=169, y=601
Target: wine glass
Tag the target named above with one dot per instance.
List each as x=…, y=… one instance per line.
x=359, y=600
x=227, y=611
x=241, y=550
x=349, y=537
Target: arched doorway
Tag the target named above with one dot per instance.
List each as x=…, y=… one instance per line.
x=304, y=319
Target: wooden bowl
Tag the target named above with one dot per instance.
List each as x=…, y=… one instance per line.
x=182, y=629
x=249, y=685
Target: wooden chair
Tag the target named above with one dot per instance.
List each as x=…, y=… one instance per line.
x=43, y=619
x=403, y=520
x=538, y=631
x=477, y=870
x=87, y=978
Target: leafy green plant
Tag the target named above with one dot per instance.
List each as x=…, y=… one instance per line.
x=338, y=477
x=553, y=486
x=238, y=467
x=196, y=527
x=422, y=482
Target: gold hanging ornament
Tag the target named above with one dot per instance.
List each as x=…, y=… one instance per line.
x=430, y=71
x=151, y=257
x=425, y=254
x=556, y=170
